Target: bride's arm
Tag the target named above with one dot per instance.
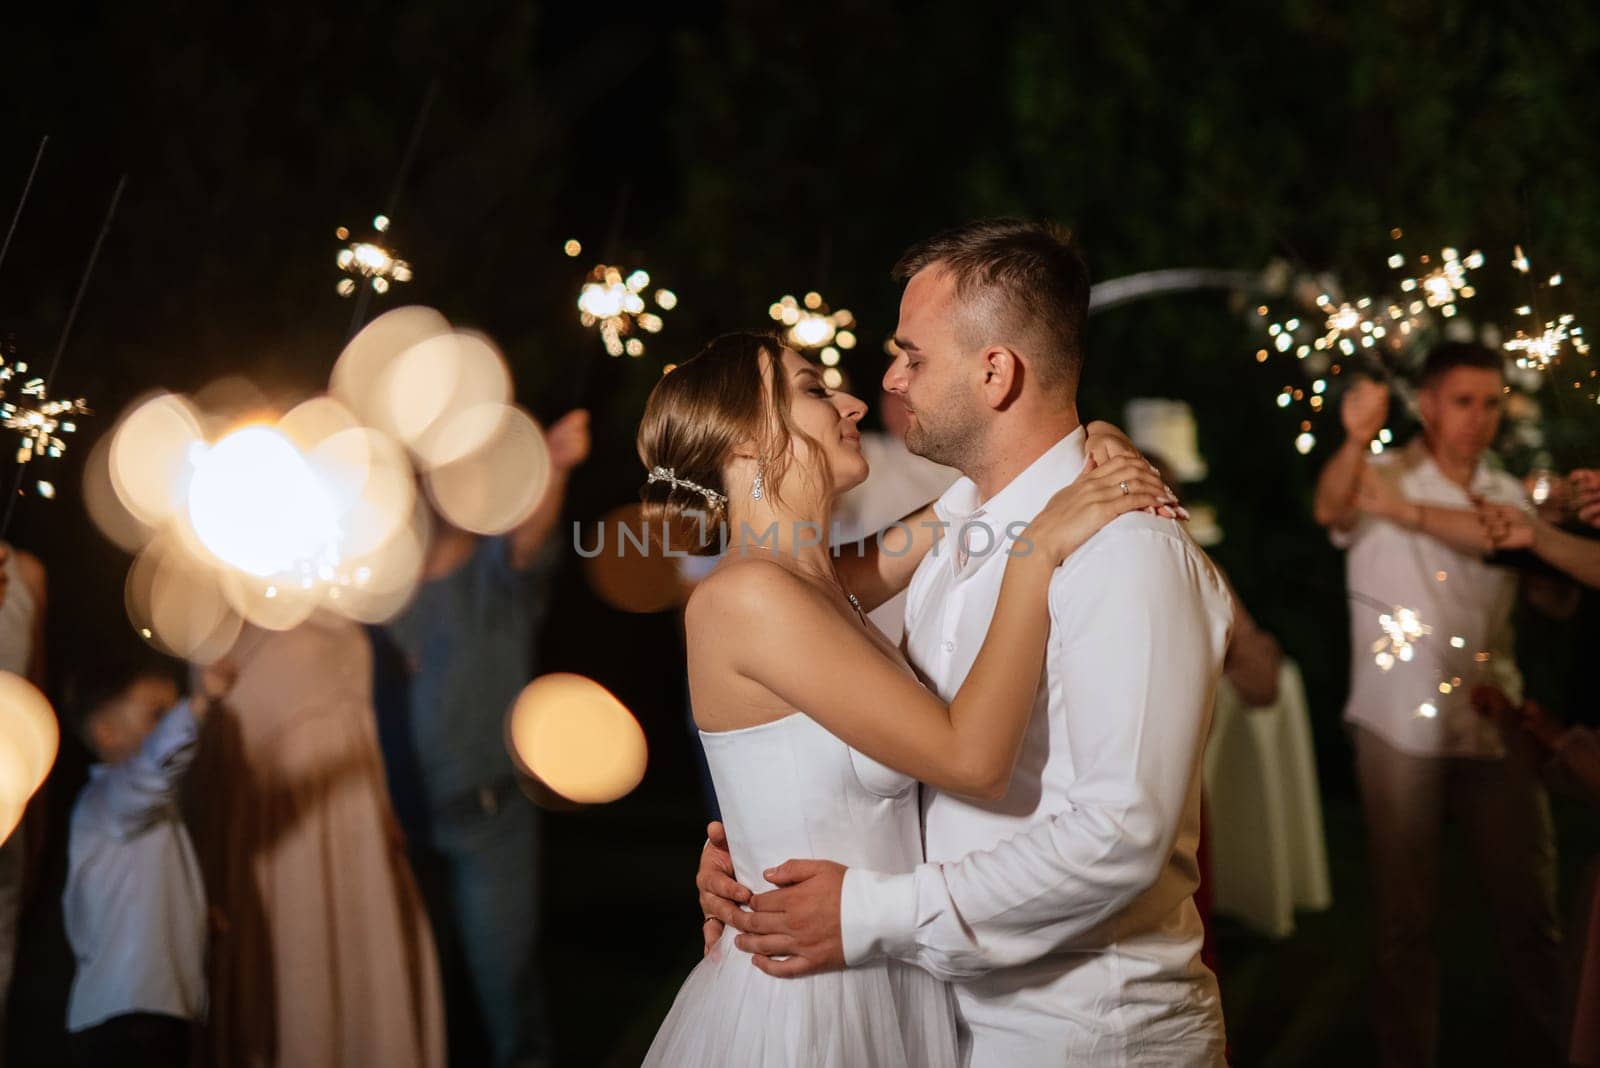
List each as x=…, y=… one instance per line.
x=784, y=633
x=879, y=566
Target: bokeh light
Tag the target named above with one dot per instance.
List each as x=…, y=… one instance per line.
x=498, y=486
x=624, y=577
x=259, y=506
x=29, y=739
x=151, y=458
x=576, y=738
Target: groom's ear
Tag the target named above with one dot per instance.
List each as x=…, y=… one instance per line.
x=1003, y=374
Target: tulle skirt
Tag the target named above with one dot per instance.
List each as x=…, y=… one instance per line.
x=882, y=1015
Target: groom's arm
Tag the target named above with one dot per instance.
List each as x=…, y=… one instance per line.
x=881, y=565
x=1139, y=643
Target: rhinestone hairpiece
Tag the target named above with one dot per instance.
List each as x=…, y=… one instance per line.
x=666, y=474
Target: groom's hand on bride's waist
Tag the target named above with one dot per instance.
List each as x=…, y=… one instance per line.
x=720, y=894
x=799, y=921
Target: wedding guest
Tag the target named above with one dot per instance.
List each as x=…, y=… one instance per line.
x=1569, y=760
x=1584, y=484
x=22, y=604
x=1414, y=539
x=321, y=953
x=1512, y=528
x=134, y=903
x=468, y=640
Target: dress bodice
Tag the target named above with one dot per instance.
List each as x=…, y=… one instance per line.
x=789, y=790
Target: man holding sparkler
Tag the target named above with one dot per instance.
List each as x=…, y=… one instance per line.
x=468, y=639
x=1441, y=616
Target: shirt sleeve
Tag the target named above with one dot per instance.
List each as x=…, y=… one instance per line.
x=1139, y=629
x=130, y=796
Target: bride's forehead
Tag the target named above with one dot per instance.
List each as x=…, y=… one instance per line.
x=793, y=363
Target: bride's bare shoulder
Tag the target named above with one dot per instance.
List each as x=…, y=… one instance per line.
x=740, y=590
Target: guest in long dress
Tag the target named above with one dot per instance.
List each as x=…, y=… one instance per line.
x=321, y=953
x=22, y=604
x=467, y=640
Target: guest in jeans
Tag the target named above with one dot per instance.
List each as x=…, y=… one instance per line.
x=467, y=641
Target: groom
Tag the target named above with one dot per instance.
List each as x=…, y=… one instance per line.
x=1063, y=913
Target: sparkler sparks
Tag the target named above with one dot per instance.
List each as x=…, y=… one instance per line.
x=811, y=328
x=1445, y=285
x=40, y=420
x=1402, y=630
x=369, y=262
x=1388, y=333
x=1539, y=347
x=618, y=307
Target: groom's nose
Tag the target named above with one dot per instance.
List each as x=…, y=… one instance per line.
x=894, y=379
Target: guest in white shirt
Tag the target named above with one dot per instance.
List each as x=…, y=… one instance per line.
x=134, y=904
x=1063, y=911
x=1416, y=544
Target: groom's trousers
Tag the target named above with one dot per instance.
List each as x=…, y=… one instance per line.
x=1505, y=814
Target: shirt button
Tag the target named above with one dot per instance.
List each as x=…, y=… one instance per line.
x=948, y=646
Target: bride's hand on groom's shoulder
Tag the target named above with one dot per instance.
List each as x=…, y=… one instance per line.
x=1104, y=442
x=1100, y=493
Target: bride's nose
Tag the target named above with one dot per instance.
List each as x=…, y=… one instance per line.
x=851, y=408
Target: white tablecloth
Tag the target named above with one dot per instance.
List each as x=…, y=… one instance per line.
x=1264, y=810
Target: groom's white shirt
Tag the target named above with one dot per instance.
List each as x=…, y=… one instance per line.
x=1064, y=911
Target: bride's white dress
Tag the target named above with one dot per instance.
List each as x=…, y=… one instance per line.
x=789, y=789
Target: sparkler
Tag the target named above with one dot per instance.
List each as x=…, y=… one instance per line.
x=370, y=266
x=368, y=262
x=41, y=424
x=1442, y=286
x=22, y=201
x=1539, y=347
x=1385, y=334
x=618, y=306
x=812, y=328
x=1402, y=630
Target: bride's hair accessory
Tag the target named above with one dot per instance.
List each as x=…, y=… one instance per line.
x=665, y=474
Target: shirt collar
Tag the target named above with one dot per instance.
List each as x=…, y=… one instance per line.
x=1020, y=499
x=1482, y=475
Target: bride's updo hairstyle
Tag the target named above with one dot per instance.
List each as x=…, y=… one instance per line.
x=697, y=415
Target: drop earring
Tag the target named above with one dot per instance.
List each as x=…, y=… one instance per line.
x=755, y=487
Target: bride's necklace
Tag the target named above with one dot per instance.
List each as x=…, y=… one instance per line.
x=848, y=596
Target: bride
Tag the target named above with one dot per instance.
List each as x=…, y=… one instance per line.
x=815, y=728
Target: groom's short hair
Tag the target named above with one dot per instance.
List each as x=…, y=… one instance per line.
x=1026, y=278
